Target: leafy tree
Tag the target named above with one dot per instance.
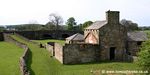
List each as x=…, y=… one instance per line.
x=2, y=28
x=70, y=23
x=56, y=20
x=86, y=24
x=130, y=26
x=80, y=26
x=144, y=56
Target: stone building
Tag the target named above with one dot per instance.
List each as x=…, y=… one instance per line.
x=105, y=40
x=76, y=38
x=110, y=35
x=135, y=40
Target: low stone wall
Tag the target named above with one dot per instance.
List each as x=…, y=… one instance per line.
x=50, y=48
x=59, y=52
x=80, y=53
x=24, y=57
x=23, y=61
x=133, y=48
x=77, y=53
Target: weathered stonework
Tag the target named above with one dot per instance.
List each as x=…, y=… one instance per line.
x=76, y=53
x=133, y=48
x=111, y=34
x=50, y=48
x=59, y=52
x=80, y=53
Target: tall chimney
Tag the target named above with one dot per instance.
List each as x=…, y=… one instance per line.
x=112, y=17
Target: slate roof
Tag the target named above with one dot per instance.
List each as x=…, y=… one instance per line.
x=97, y=25
x=137, y=36
x=76, y=36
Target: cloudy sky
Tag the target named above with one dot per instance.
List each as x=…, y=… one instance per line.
x=24, y=11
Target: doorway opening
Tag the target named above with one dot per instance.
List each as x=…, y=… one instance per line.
x=112, y=53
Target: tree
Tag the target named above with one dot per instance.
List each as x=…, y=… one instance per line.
x=86, y=24
x=2, y=28
x=55, y=19
x=130, y=26
x=50, y=26
x=80, y=27
x=144, y=56
x=70, y=23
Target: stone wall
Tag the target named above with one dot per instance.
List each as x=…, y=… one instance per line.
x=23, y=62
x=77, y=53
x=47, y=34
x=133, y=48
x=1, y=36
x=50, y=48
x=80, y=53
x=59, y=52
x=24, y=57
x=113, y=36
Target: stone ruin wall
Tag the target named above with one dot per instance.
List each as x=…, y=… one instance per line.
x=80, y=53
x=24, y=58
x=77, y=53
x=133, y=48
x=59, y=52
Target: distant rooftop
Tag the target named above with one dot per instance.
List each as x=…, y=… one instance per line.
x=137, y=36
x=97, y=25
x=76, y=36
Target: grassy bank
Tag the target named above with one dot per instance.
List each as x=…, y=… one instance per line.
x=9, y=59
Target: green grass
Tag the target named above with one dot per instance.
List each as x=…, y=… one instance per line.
x=9, y=59
x=43, y=64
x=62, y=42
x=148, y=33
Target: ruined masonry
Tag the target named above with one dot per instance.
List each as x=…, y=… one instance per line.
x=103, y=40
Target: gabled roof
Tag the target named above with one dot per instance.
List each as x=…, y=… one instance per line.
x=137, y=36
x=97, y=25
x=76, y=36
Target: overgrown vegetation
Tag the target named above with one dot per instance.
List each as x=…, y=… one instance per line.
x=144, y=56
x=9, y=59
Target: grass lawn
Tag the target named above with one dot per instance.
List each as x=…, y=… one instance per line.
x=43, y=64
x=62, y=42
x=9, y=59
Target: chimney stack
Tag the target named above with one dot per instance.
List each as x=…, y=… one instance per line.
x=112, y=17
